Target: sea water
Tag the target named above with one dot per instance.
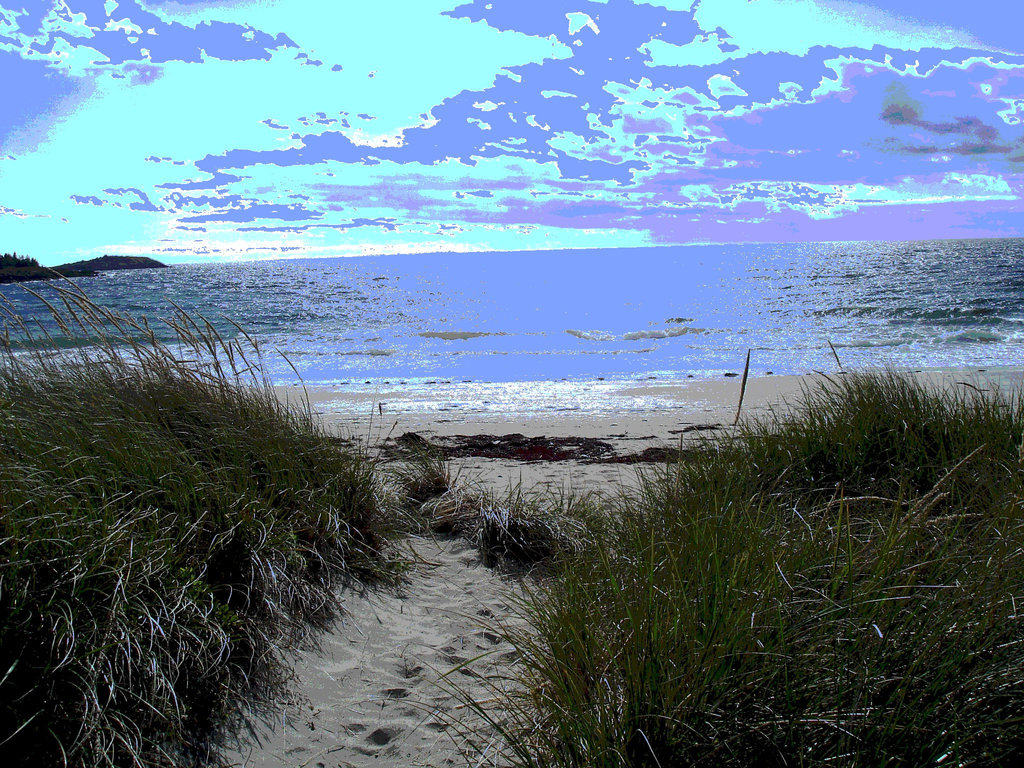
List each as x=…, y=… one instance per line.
x=564, y=329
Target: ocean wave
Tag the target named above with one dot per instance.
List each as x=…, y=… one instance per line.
x=656, y=333
x=642, y=351
x=884, y=342
x=976, y=336
x=591, y=335
x=662, y=333
x=370, y=352
x=458, y=335
x=946, y=314
x=913, y=314
x=853, y=310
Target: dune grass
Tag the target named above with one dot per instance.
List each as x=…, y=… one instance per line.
x=841, y=587
x=517, y=529
x=167, y=526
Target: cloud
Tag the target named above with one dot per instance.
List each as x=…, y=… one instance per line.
x=88, y=200
x=33, y=93
x=246, y=211
x=216, y=181
x=77, y=34
x=513, y=126
x=654, y=121
x=52, y=52
x=796, y=26
x=791, y=123
x=141, y=203
x=966, y=135
x=19, y=214
x=385, y=224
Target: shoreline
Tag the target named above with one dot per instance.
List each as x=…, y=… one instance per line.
x=611, y=406
x=681, y=405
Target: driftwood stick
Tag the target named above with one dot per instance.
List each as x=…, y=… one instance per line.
x=834, y=354
x=743, y=389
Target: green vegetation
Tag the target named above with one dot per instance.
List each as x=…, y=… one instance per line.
x=164, y=532
x=21, y=269
x=16, y=269
x=106, y=262
x=839, y=588
x=14, y=260
x=518, y=530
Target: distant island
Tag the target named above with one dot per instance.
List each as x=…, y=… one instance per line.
x=18, y=269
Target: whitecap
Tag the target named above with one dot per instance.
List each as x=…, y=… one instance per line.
x=978, y=335
x=458, y=335
x=662, y=333
x=371, y=352
x=591, y=335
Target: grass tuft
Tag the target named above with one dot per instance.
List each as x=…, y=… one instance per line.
x=517, y=529
x=838, y=588
x=167, y=527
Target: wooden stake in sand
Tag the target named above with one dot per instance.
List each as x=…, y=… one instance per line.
x=743, y=388
x=834, y=353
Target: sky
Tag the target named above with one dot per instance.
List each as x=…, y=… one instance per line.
x=239, y=129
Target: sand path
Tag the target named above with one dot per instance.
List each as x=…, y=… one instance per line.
x=373, y=693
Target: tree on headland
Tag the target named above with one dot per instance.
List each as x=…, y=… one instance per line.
x=18, y=269
x=14, y=260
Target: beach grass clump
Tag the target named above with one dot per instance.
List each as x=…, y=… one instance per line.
x=883, y=435
x=842, y=588
x=167, y=527
x=423, y=473
x=515, y=528
x=531, y=528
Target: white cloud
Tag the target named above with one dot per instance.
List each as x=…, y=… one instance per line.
x=578, y=21
x=722, y=85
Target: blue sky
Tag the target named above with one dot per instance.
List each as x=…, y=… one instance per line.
x=241, y=129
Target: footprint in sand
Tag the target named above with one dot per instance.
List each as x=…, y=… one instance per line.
x=384, y=736
x=377, y=694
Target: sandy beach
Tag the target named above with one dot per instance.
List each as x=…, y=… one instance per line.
x=380, y=688
x=376, y=690
x=680, y=409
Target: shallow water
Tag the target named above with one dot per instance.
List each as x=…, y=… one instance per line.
x=538, y=326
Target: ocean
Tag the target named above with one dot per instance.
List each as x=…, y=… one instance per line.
x=562, y=330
